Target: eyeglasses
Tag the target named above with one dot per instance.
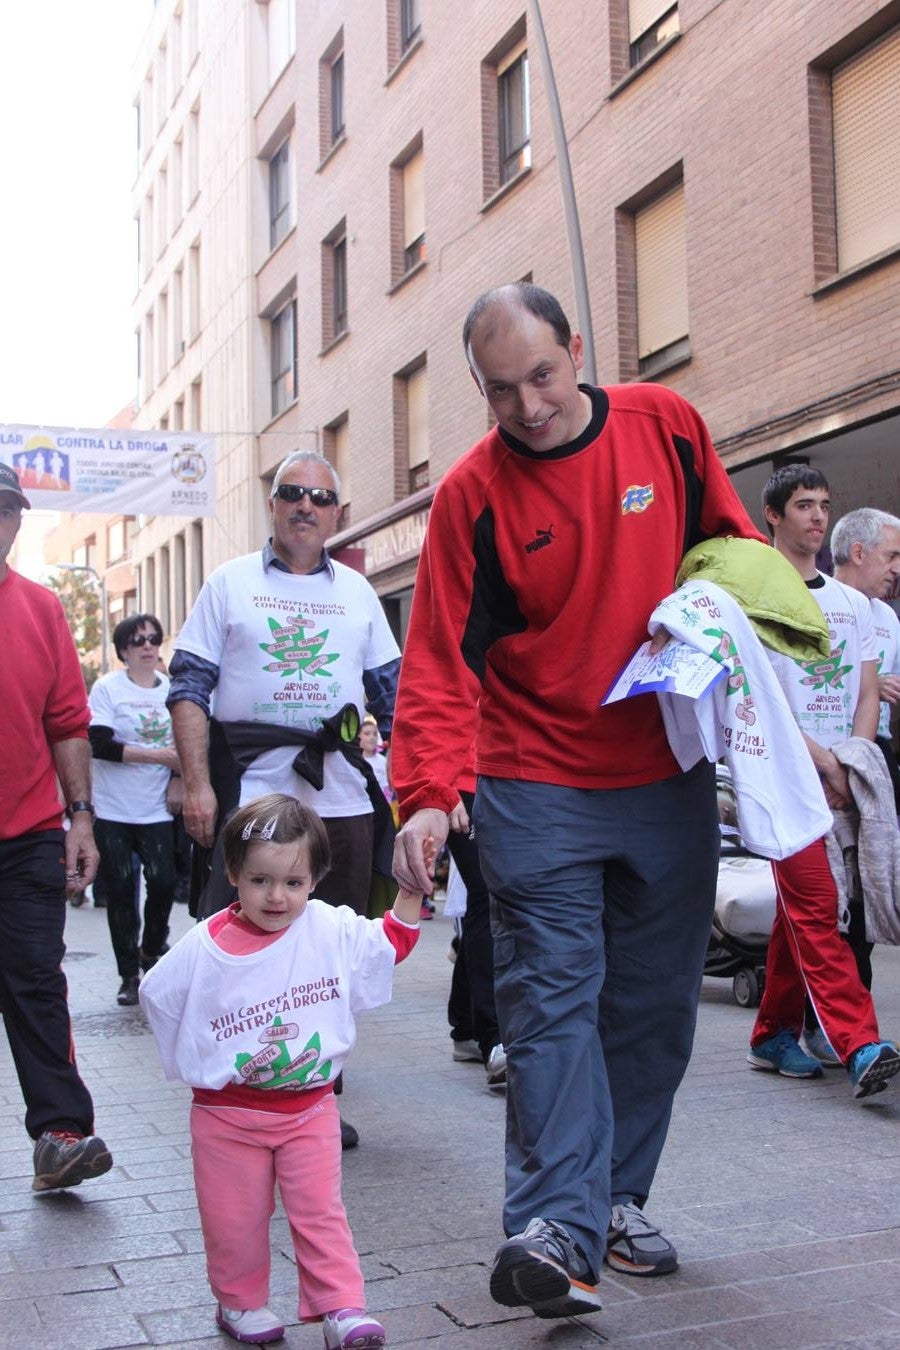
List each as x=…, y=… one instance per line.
x=142, y=639
x=293, y=492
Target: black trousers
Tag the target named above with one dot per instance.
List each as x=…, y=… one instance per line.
x=350, y=842
x=33, y=991
x=473, y=971
x=155, y=846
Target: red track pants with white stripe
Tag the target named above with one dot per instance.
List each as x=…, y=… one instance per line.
x=808, y=955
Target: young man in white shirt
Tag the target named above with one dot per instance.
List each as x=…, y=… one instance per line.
x=831, y=701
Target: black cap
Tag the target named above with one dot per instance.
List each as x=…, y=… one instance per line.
x=9, y=482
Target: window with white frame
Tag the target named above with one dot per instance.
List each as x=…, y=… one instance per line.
x=410, y=22
x=280, y=193
x=660, y=245
x=417, y=427
x=513, y=113
x=284, y=358
x=334, y=284
x=331, y=95
x=650, y=23
x=281, y=33
x=414, y=210
x=865, y=102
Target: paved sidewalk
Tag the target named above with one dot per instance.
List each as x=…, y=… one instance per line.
x=783, y=1197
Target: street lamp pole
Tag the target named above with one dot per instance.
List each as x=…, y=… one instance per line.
x=570, y=203
x=104, y=622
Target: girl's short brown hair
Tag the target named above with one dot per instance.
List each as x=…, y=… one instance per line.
x=275, y=819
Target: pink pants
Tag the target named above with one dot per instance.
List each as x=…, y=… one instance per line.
x=808, y=955
x=238, y=1156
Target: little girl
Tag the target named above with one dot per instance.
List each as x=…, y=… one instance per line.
x=254, y=1009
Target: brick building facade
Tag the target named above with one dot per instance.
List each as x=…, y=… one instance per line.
x=323, y=189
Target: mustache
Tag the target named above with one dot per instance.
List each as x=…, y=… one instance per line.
x=303, y=517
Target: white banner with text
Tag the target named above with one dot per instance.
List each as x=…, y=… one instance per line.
x=116, y=472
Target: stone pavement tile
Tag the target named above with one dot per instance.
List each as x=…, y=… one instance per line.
x=61, y=1279
x=698, y=1244
x=708, y=1274
x=181, y=1326
x=844, y=1251
x=114, y=1247
x=113, y=1333
x=814, y=1289
x=439, y=1255
x=183, y=1266
x=19, y=1324
x=531, y=1334
x=787, y=1331
x=190, y=1239
x=165, y=1201
x=173, y=1169
x=889, y=1296
x=104, y=1220
x=668, y=1312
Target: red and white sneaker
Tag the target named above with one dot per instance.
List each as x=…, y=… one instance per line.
x=252, y=1326
x=352, y=1329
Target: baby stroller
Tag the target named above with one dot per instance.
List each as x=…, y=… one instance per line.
x=745, y=907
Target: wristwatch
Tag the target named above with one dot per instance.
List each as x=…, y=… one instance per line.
x=80, y=806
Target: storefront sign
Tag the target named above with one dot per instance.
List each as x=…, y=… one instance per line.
x=395, y=543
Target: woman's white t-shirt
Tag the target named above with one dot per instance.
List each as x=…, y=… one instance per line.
x=131, y=793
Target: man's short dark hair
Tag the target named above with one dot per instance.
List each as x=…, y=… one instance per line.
x=784, y=482
x=527, y=296
x=125, y=631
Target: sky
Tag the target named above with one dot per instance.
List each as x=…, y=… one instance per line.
x=68, y=250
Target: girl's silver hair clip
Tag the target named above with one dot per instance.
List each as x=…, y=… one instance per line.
x=248, y=830
x=269, y=828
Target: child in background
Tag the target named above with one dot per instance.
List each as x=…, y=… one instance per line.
x=254, y=1009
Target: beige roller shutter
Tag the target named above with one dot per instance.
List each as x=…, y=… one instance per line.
x=413, y=199
x=661, y=257
x=643, y=14
x=417, y=416
x=865, y=95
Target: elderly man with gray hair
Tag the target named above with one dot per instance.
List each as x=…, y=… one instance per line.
x=865, y=545
x=287, y=648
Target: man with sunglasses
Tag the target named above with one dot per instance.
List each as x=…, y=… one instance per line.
x=280, y=644
x=44, y=740
x=135, y=796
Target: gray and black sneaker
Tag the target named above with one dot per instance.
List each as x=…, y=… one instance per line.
x=634, y=1246
x=65, y=1158
x=544, y=1269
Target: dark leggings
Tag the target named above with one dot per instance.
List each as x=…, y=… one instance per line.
x=154, y=845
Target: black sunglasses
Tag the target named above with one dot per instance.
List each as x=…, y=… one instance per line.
x=293, y=492
x=142, y=639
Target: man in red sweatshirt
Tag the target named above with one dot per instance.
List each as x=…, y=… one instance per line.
x=44, y=739
x=548, y=546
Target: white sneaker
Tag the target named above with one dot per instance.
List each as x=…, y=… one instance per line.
x=464, y=1051
x=819, y=1046
x=496, y=1067
x=252, y=1326
x=352, y=1329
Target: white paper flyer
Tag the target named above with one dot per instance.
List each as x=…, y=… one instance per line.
x=677, y=669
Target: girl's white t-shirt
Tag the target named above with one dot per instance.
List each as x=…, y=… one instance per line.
x=131, y=793
x=291, y=649
x=279, y=1018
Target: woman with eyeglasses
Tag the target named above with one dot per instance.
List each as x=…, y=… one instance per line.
x=135, y=768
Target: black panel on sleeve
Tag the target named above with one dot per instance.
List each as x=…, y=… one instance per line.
x=494, y=611
x=693, y=494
